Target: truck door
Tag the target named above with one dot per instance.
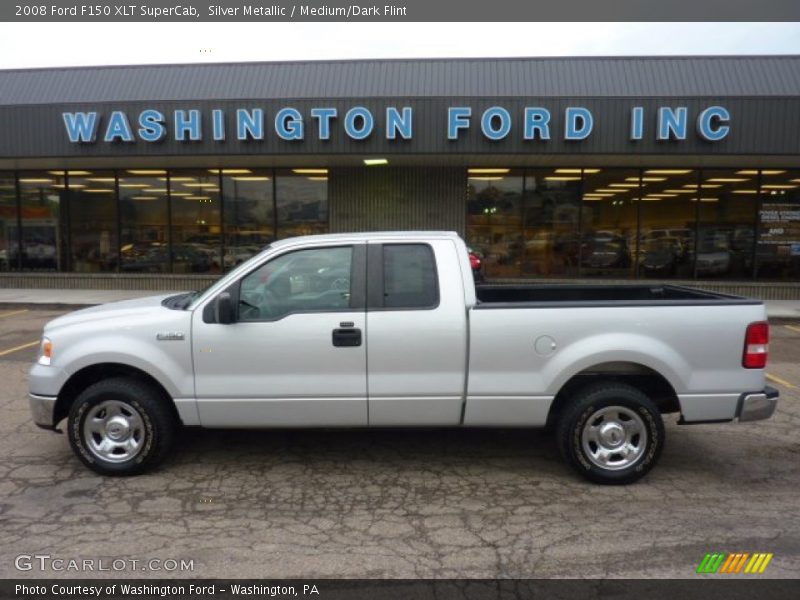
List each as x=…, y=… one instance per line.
x=416, y=333
x=296, y=353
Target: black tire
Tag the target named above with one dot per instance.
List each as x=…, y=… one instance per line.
x=154, y=418
x=627, y=404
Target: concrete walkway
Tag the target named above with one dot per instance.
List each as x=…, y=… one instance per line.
x=776, y=309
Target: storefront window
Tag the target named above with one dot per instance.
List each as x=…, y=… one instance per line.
x=551, y=220
x=778, y=249
x=196, y=228
x=143, y=212
x=249, y=213
x=668, y=215
x=9, y=252
x=609, y=222
x=41, y=196
x=302, y=202
x=92, y=218
x=726, y=224
x=494, y=220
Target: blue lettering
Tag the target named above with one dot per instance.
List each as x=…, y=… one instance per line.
x=578, y=123
x=187, y=124
x=324, y=116
x=637, y=123
x=218, y=124
x=250, y=124
x=537, y=119
x=457, y=118
x=118, y=128
x=81, y=127
x=672, y=124
x=151, y=125
x=487, y=123
x=712, y=123
x=289, y=124
x=398, y=124
x=367, y=123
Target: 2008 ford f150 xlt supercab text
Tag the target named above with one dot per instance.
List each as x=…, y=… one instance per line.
x=389, y=330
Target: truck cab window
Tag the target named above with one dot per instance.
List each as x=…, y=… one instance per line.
x=312, y=280
x=409, y=276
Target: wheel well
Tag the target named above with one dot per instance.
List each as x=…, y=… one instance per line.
x=87, y=376
x=643, y=378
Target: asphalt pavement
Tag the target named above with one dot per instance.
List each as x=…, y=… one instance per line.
x=404, y=503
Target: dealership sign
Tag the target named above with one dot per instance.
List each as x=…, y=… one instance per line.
x=495, y=123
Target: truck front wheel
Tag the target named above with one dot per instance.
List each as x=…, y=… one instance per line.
x=120, y=426
x=611, y=433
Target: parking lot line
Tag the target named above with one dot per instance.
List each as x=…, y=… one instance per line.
x=14, y=312
x=16, y=348
x=778, y=380
x=794, y=328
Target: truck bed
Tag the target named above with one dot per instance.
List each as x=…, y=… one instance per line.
x=565, y=295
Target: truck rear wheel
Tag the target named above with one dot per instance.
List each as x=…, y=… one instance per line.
x=611, y=433
x=120, y=426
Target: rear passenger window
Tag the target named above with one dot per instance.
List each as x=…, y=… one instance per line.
x=409, y=276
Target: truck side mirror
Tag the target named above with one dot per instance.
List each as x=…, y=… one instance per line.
x=223, y=309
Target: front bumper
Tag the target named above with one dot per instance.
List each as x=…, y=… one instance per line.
x=755, y=406
x=43, y=410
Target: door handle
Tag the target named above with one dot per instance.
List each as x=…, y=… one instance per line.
x=344, y=338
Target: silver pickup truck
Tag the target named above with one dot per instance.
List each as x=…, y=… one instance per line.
x=389, y=330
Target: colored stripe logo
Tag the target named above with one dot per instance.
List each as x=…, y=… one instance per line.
x=734, y=563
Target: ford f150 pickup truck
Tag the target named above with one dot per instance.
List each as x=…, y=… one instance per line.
x=389, y=330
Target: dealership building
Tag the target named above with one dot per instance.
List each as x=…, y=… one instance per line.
x=161, y=177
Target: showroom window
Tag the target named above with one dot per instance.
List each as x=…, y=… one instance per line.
x=494, y=220
x=778, y=247
x=144, y=236
x=9, y=250
x=301, y=202
x=249, y=211
x=92, y=221
x=194, y=198
x=42, y=194
x=609, y=222
x=727, y=207
x=551, y=221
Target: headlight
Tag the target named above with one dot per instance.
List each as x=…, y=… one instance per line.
x=45, y=352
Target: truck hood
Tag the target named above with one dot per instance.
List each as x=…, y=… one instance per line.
x=125, y=309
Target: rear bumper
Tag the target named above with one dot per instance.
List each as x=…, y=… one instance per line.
x=42, y=409
x=756, y=406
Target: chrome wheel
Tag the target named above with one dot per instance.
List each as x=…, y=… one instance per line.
x=114, y=431
x=614, y=438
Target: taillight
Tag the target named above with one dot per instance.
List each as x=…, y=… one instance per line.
x=756, y=346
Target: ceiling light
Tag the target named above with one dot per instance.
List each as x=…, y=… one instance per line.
x=705, y=199
x=661, y=195
x=560, y=178
x=374, y=162
x=317, y=178
x=144, y=198
x=668, y=171
x=728, y=179
x=147, y=171
x=98, y=191
x=646, y=179
x=134, y=185
x=179, y=194
x=252, y=178
x=71, y=186
x=35, y=180
x=100, y=179
x=230, y=171
x=613, y=191
x=485, y=178
x=763, y=172
x=745, y=191
x=778, y=187
x=680, y=191
x=177, y=179
x=310, y=171
x=623, y=185
x=599, y=195
x=200, y=185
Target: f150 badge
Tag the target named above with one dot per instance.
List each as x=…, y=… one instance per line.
x=170, y=336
